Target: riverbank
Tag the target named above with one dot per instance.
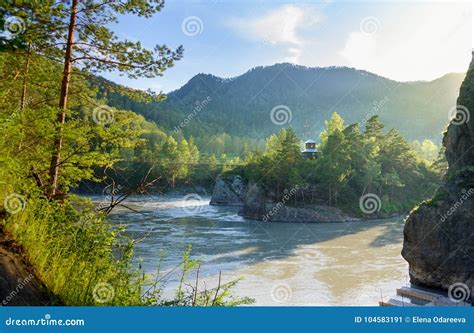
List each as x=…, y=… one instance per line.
x=19, y=283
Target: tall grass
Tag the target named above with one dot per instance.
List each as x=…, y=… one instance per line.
x=81, y=259
x=84, y=260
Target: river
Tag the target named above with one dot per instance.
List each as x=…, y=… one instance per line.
x=354, y=263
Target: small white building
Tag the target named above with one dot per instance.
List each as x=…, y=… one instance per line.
x=310, y=151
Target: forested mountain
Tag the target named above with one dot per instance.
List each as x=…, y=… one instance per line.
x=241, y=106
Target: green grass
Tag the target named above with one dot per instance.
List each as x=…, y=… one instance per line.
x=84, y=260
x=78, y=256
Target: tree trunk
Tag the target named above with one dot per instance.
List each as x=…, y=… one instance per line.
x=25, y=78
x=58, y=142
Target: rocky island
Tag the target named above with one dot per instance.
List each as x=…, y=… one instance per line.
x=233, y=190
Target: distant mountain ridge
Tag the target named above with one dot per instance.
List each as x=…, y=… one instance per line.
x=242, y=106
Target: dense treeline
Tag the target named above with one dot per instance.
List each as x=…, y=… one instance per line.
x=187, y=123
x=58, y=132
x=352, y=163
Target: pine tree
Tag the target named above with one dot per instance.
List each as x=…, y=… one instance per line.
x=78, y=36
x=373, y=128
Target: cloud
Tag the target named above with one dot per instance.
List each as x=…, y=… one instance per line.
x=359, y=48
x=431, y=41
x=282, y=26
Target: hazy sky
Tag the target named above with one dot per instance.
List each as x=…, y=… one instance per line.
x=405, y=41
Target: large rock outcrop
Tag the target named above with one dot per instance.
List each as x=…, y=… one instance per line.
x=257, y=207
x=229, y=190
x=439, y=235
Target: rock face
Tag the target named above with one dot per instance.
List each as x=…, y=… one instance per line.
x=254, y=203
x=439, y=235
x=229, y=190
x=19, y=284
x=459, y=139
x=258, y=208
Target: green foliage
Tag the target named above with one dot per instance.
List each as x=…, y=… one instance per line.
x=75, y=252
x=96, y=47
x=277, y=168
x=73, y=249
x=352, y=163
x=427, y=150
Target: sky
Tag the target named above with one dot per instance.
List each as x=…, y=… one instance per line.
x=401, y=40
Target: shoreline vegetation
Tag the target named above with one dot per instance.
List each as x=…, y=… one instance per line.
x=359, y=174
x=60, y=133
x=79, y=258
x=58, y=130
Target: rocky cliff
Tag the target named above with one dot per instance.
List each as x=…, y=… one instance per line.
x=439, y=234
x=257, y=207
x=229, y=190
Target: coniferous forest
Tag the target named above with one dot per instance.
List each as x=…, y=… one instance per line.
x=69, y=134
